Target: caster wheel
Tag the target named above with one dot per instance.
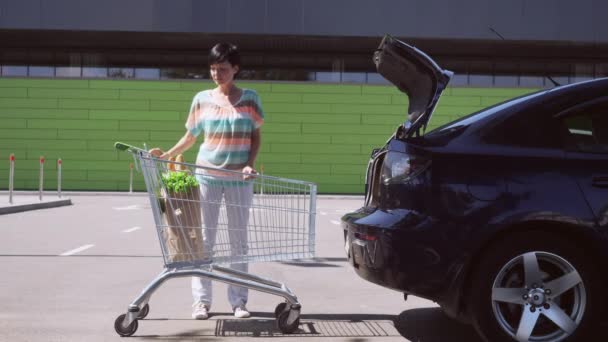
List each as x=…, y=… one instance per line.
x=280, y=308
x=144, y=312
x=284, y=325
x=128, y=331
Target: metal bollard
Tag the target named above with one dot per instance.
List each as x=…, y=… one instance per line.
x=59, y=177
x=131, y=178
x=40, y=189
x=11, y=177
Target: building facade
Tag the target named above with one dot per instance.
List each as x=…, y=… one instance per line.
x=78, y=74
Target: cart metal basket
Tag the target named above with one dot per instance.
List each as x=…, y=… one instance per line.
x=259, y=218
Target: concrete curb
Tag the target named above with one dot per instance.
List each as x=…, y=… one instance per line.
x=34, y=206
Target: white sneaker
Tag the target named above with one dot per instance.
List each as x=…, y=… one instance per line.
x=241, y=312
x=200, y=311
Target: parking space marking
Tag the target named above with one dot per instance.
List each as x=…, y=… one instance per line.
x=76, y=250
x=337, y=223
x=131, y=229
x=129, y=207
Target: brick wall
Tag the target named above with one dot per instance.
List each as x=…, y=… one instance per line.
x=317, y=132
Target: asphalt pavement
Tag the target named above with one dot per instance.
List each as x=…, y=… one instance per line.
x=68, y=272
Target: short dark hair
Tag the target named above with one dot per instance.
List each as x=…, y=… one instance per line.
x=224, y=52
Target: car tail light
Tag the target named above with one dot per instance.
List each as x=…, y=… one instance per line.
x=366, y=237
x=401, y=168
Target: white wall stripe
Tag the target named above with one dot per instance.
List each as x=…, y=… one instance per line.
x=76, y=250
x=131, y=229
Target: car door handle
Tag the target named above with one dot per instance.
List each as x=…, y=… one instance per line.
x=600, y=181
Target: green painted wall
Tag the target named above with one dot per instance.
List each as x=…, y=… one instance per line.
x=317, y=132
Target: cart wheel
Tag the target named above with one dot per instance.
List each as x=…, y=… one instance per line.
x=280, y=308
x=144, y=312
x=128, y=331
x=283, y=324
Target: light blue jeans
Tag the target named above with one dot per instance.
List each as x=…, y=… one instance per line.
x=238, y=200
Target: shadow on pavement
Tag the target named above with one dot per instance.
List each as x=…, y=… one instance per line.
x=420, y=325
x=432, y=325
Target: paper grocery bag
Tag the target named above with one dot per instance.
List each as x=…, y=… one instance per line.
x=183, y=234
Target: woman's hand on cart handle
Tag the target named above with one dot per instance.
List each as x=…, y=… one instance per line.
x=249, y=172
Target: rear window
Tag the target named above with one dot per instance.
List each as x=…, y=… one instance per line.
x=486, y=112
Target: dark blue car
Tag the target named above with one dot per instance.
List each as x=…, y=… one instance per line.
x=501, y=217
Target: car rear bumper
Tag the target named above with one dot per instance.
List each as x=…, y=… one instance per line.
x=398, y=249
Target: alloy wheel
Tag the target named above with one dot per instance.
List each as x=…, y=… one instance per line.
x=538, y=296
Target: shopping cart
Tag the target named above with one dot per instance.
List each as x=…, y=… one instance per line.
x=269, y=219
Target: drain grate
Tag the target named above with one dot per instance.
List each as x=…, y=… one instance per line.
x=308, y=328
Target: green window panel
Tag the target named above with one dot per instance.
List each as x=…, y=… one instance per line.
x=288, y=168
x=499, y=92
x=172, y=95
x=317, y=89
x=73, y=124
x=42, y=144
x=296, y=108
x=13, y=123
x=369, y=109
x=377, y=119
x=43, y=113
x=181, y=106
x=315, y=148
x=73, y=93
x=42, y=83
x=110, y=135
x=315, y=158
x=379, y=89
x=275, y=158
x=377, y=140
x=27, y=103
x=354, y=169
x=27, y=133
x=348, y=129
x=346, y=99
x=460, y=101
x=330, y=188
x=105, y=104
x=313, y=118
x=134, y=84
x=152, y=125
x=294, y=138
x=280, y=98
x=143, y=115
x=13, y=92
x=281, y=128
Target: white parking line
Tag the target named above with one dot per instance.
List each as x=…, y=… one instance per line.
x=129, y=207
x=76, y=250
x=335, y=222
x=323, y=213
x=131, y=229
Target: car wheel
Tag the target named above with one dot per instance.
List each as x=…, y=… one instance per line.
x=535, y=287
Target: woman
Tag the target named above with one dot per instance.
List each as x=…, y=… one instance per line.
x=230, y=119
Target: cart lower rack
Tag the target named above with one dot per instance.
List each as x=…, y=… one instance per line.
x=207, y=217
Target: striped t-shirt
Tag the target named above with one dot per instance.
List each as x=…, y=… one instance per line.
x=227, y=129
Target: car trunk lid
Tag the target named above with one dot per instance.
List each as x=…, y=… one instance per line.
x=416, y=75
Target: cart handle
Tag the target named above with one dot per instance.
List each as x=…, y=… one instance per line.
x=126, y=147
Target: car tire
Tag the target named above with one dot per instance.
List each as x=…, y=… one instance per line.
x=552, y=275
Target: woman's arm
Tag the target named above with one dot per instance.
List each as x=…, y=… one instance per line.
x=181, y=146
x=256, y=139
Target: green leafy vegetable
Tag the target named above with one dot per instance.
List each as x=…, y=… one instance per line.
x=179, y=181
